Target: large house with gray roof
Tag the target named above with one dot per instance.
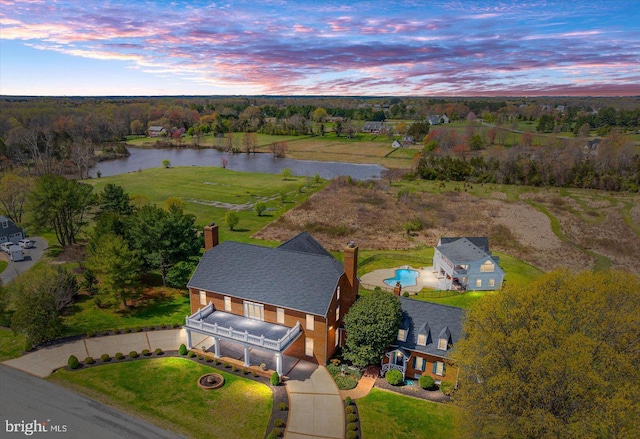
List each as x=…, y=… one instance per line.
x=287, y=300
x=425, y=337
x=467, y=264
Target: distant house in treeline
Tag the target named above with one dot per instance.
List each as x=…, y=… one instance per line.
x=156, y=131
x=372, y=127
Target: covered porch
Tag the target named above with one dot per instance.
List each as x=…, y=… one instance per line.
x=262, y=338
x=396, y=359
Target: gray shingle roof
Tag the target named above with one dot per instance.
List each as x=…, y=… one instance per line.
x=418, y=316
x=304, y=242
x=462, y=251
x=482, y=242
x=11, y=228
x=281, y=277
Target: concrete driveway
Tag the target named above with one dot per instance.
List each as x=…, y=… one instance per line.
x=31, y=256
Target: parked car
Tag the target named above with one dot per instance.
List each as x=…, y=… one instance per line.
x=26, y=243
x=15, y=253
x=5, y=246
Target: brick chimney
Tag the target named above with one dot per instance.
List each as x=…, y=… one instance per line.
x=210, y=236
x=397, y=290
x=351, y=266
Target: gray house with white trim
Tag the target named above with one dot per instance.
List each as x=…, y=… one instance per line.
x=466, y=264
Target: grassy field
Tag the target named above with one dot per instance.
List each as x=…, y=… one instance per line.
x=164, y=392
x=11, y=346
x=209, y=192
x=3, y=265
x=391, y=416
x=157, y=306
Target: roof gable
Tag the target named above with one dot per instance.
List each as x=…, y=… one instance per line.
x=304, y=242
x=11, y=228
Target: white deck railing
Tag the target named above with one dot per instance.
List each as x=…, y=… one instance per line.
x=196, y=322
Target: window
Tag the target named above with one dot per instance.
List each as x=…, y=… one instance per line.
x=419, y=363
x=308, y=347
x=488, y=267
x=254, y=310
x=478, y=282
x=402, y=335
x=338, y=294
x=492, y=282
x=337, y=342
x=227, y=303
x=422, y=339
x=310, y=322
x=442, y=344
x=438, y=368
x=337, y=313
x=280, y=316
x=203, y=298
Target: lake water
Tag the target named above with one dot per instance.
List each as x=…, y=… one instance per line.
x=142, y=158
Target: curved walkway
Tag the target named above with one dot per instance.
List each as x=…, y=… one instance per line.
x=315, y=405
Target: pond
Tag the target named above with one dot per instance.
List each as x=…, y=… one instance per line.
x=142, y=158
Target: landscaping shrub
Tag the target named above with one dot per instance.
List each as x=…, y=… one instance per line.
x=90, y=334
x=245, y=371
x=209, y=360
x=128, y=330
x=446, y=387
x=277, y=431
x=226, y=365
x=89, y=360
x=405, y=294
x=146, y=352
x=117, y=331
x=278, y=423
x=73, y=362
x=200, y=357
x=352, y=426
x=234, y=368
x=275, y=379
x=349, y=409
x=351, y=417
x=426, y=382
x=282, y=406
x=183, y=349
x=163, y=326
x=119, y=356
x=133, y=354
x=394, y=377
x=159, y=351
x=352, y=435
x=105, y=357
x=347, y=400
x=254, y=373
x=191, y=354
x=272, y=435
x=176, y=325
x=28, y=347
x=138, y=329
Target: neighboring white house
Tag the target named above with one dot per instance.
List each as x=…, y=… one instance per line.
x=466, y=263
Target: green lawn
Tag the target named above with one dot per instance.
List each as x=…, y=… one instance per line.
x=164, y=392
x=160, y=305
x=11, y=346
x=200, y=187
x=3, y=265
x=388, y=415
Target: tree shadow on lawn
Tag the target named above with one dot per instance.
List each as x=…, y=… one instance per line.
x=241, y=230
x=154, y=303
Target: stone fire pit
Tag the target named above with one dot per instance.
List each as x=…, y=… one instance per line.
x=211, y=381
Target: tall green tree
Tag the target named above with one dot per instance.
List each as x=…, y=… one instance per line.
x=60, y=204
x=14, y=190
x=114, y=199
x=118, y=266
x=162, y=238
x=371, y=325
x=36, y=315
x=554, y=359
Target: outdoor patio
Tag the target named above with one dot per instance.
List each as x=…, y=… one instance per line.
x=426, y=279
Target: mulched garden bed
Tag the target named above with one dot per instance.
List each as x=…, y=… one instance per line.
x=413, y=390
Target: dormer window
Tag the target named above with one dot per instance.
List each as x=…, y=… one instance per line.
x=422, y=339
x=402, y=335
x=442, y=344
x=488, y=267
x=443, y=339
x=5, y=224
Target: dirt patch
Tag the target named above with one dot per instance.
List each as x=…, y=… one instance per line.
x=378, y=216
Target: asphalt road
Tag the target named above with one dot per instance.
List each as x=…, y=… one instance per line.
x=31, y=256
x=26, y=401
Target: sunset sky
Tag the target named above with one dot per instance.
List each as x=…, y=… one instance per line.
x=278, y=47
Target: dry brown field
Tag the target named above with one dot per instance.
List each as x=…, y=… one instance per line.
x=546, y=227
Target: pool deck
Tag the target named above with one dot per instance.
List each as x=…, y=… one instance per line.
x=426, y=279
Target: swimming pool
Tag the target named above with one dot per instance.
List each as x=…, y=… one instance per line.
x=405, y=276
